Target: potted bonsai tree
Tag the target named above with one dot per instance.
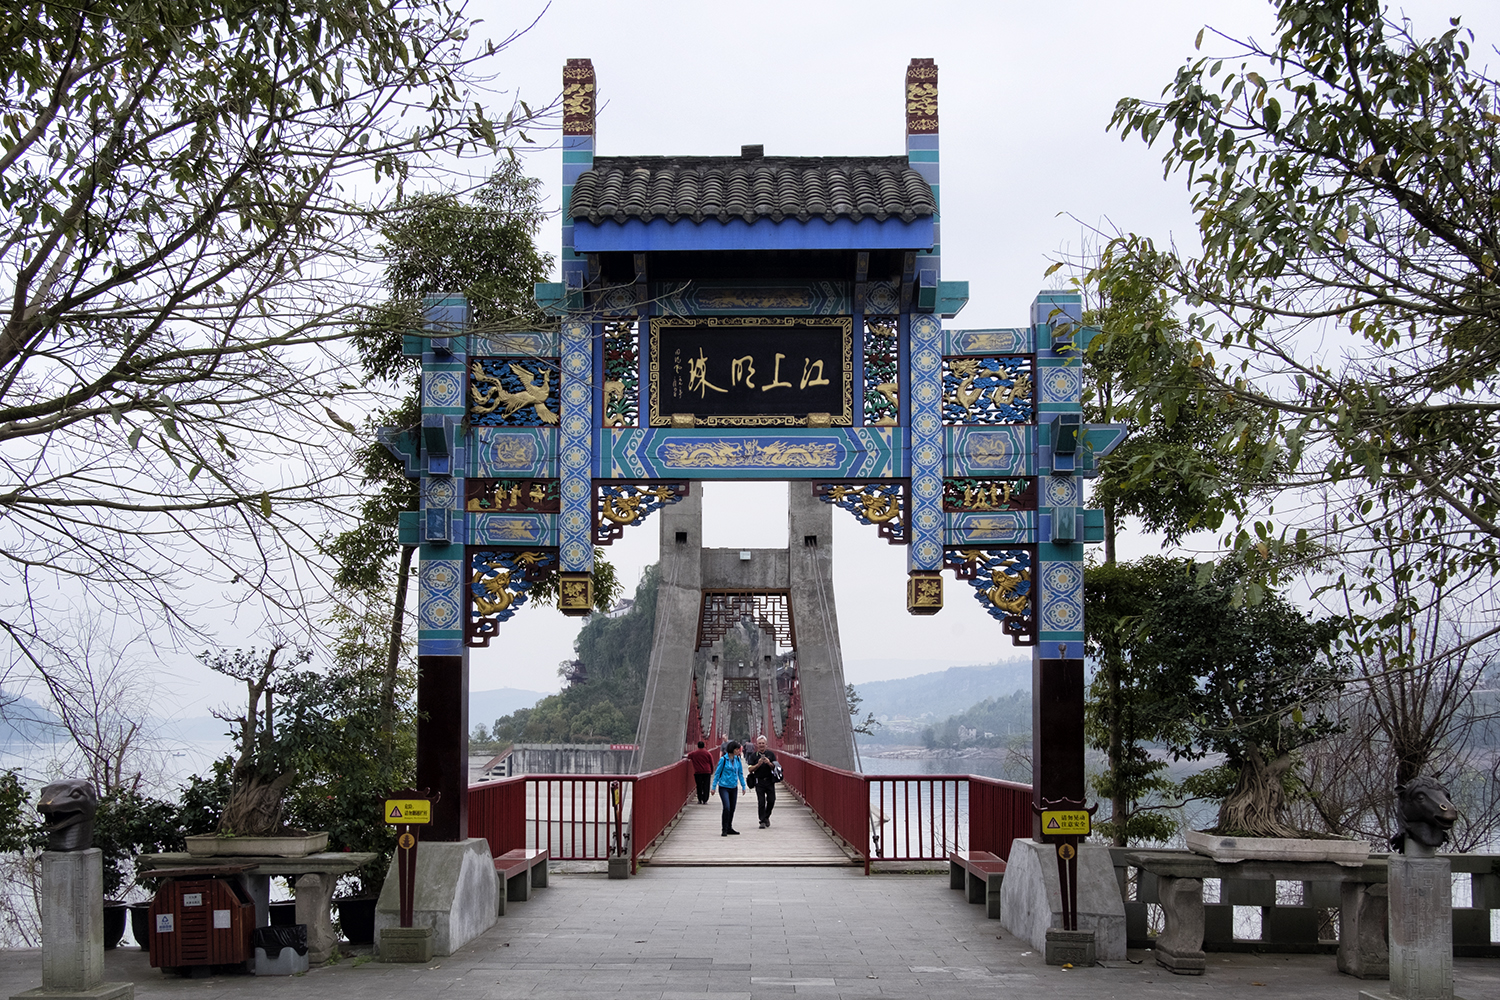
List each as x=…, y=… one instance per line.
x=252, y=822
x=1254, y=676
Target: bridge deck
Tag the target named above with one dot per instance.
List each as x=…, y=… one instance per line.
x=793, y=838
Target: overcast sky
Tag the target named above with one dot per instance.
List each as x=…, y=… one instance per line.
x=1025, y=94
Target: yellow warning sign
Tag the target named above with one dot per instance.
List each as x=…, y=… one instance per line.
x=1065, y=822
x=408, y=811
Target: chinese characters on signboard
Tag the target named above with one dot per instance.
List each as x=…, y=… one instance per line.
x=752, y=371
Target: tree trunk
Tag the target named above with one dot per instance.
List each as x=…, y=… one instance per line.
x=254, y=807
x=393, y=654
x=1119, y=800
x=1256, y=806
x=1109, y=531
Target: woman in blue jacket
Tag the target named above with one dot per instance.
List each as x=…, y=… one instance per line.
x=729, y=778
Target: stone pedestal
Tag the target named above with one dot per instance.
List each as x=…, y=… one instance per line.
x=72, y=911
x=1421, y=929
x=619, y=867
x=456, y=895
x=314, y=908
x=1070, y=948
x=1363, y=920
x=1031, y=897
x=406, y=944
x=1179, y=948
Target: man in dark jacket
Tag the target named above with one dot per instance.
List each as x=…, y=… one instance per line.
x=760, y=763
x=703, y=766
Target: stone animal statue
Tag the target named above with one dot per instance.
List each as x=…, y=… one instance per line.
x=69, y=807
x=1426, y=816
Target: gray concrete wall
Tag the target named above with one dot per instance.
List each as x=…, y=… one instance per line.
x=669, y=684
x=803, y=569
x=820, y=662
x=766, y=569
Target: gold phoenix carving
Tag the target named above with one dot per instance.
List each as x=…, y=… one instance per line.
x=494, y=395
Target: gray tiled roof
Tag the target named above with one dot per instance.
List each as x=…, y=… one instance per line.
x=619, y=188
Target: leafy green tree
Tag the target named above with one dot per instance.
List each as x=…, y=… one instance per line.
x=482, y=246
x=1254, y=682
x=17, y=820
x=129, y=823
x=606, y=706
x=181, y=210
x=1343, y=178
x=1132, y=703
x=1168, y=474
x=1172, y=478
x=869, y=724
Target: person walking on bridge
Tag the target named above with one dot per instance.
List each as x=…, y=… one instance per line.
x=703, y=766
x=729, y=778
x=761, y=765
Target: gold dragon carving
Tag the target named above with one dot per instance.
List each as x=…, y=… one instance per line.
x=626, y=509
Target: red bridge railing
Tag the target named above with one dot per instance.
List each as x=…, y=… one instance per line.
x=579, y=817
x=912, y=817
x=884, y=817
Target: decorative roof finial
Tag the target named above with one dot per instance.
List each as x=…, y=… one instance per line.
x=580, y=94
x=921, y=97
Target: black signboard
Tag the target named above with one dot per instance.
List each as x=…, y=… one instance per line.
x=751, y=371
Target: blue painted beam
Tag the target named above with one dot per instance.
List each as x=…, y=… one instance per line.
x=763, y=234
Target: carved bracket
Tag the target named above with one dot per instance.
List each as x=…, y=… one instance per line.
x=617, y=506
x=1002, y=583
x=884, y=504
x=499, y=580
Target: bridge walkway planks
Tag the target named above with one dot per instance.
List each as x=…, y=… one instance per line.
x=794, y=837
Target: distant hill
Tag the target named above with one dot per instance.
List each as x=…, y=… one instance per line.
x=944, y=693
x=23, y=720
x=487, y=706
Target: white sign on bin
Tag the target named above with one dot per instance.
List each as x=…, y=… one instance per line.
x=192, y=899
x=164, y=923
x=221, y=920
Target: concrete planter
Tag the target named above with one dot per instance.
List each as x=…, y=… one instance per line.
x=210, y=845
x=1228, y=850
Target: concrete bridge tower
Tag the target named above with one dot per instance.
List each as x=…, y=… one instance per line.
x=790, y=589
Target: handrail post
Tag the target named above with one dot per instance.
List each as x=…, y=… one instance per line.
x=866, y=778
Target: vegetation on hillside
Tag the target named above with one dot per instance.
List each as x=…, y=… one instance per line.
x=603, y=704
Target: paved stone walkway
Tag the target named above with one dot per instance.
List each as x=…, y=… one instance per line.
x=794, y=837
x=749, y=933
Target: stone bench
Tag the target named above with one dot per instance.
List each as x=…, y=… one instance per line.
x=520, y=871
x=980, y=874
